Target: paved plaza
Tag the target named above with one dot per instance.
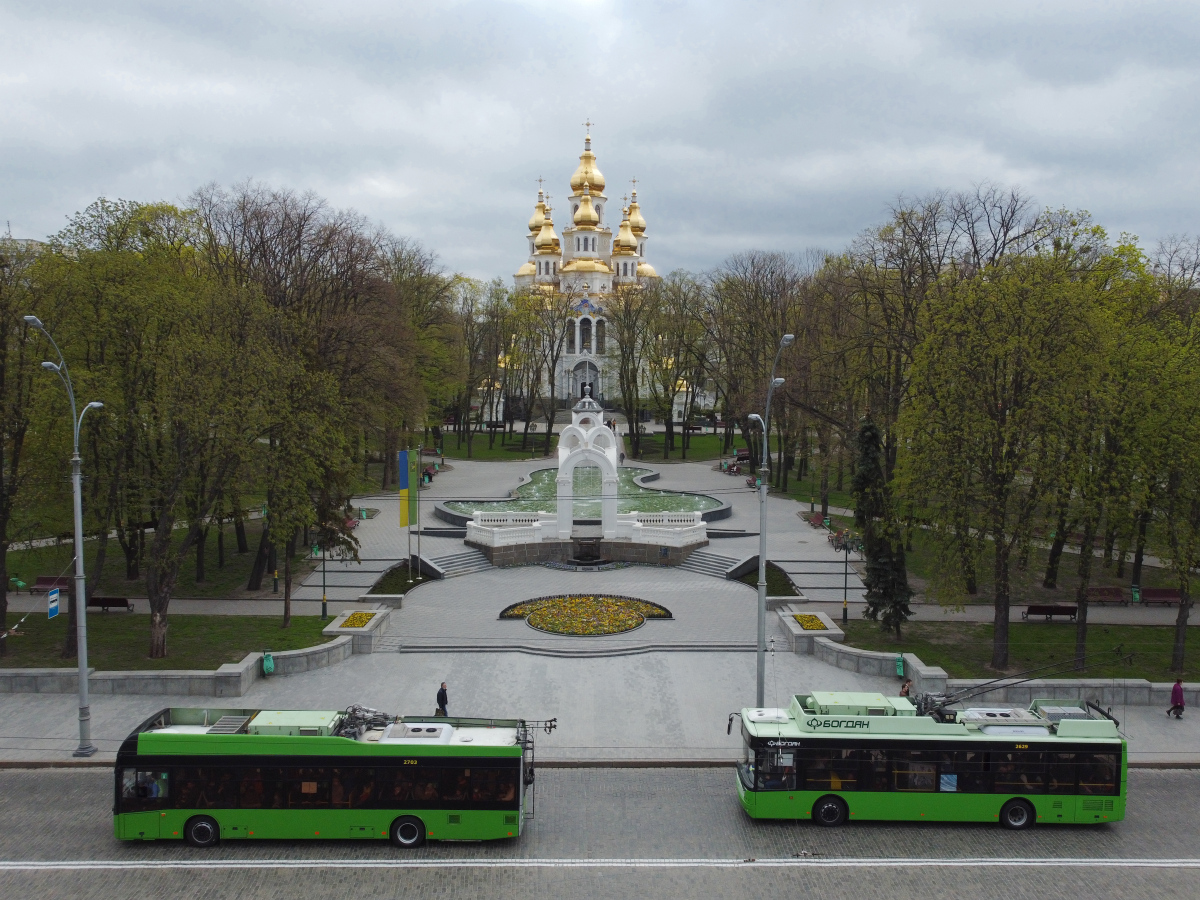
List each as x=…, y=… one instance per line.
x=662, y=691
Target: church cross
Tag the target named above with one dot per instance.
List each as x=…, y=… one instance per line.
x=634, y=182
x=588, y=124
x=540, y=180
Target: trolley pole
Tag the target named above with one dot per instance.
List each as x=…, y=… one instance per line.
x=324, y=606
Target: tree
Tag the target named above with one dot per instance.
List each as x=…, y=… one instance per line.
x=993, y=387
x=886, y=578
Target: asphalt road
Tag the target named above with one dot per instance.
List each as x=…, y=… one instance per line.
x=663, y=833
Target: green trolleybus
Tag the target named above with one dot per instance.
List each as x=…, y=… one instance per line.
x=835, y=757
x=206, y=775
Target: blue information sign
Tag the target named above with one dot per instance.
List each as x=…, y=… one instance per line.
x=53, y=597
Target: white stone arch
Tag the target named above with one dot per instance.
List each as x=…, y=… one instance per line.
x=587, y=456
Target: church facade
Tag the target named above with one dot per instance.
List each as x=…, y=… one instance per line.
x=588, y=262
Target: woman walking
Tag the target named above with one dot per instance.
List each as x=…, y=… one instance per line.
x=1176, y=709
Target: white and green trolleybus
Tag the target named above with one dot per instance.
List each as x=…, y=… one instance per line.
x=206, y=775
x=834, y=757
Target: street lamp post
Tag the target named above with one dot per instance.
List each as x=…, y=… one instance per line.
x=86, y=747
x=764, y=422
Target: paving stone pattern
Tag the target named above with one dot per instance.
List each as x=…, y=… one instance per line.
x=634, y=814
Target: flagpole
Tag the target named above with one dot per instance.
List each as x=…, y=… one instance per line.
x=404, y=512
x=420, y=476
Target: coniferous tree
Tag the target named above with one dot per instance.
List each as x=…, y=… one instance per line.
x=886, y=578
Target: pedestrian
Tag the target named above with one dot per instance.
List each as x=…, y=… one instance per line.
x=1176, y=709
x=906, y=687
x=443, y=701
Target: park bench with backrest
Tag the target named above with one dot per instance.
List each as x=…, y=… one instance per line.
x=1107, y=595
x=106, y=603
x=1169, y=596
x=47, y=583
x=1050, y=611
x=816, y=520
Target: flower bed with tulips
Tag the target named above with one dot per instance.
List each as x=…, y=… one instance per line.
x=585, y=614
x=810, y=622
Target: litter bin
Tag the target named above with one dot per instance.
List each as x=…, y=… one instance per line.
x=900, y=666
x=268, y=663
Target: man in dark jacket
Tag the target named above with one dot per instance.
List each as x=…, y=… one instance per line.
x=443, y=701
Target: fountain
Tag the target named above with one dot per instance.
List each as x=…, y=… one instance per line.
x=533, y=535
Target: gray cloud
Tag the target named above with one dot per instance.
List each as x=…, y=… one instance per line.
x=780, y=126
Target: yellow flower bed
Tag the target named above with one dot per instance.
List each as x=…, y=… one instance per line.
x=357, y=620
x=585, y=614
x=810, y=622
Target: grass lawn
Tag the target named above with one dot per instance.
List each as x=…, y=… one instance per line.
x=119, y=641
x=964, y=649
x=702, y=447
x=778, y=584
x=229, y=582
x=395, y=581
x=504, y=448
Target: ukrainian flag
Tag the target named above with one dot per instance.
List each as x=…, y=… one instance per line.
x=402, y=467
x=408, y=467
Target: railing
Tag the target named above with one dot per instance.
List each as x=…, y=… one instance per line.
x=504, y=537
x=668, y=537
x=506, y=519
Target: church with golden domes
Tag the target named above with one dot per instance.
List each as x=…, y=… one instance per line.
x=588, y=263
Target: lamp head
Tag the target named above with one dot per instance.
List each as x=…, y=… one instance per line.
x=788, y=340
x=95, y=404
x=778, y=382
x=49, y=366
x=34, y=322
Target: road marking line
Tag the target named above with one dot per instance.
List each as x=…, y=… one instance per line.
x=583, y=863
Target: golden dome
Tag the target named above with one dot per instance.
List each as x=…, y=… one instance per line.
x=587, y=173
x=586, y=265
x=539, y=215
x=585, y=215
x=527, y=269
x=636, y=222
x=645, y=270
x=626, y=243
x=546, y=240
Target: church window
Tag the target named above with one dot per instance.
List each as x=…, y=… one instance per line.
x=599, y=210
x=571, y=339
x=642, y=250
x=539, y=265
x=600, y=335
x=593, y=245
x=555, y=272
x=576, y=245
x=585, y=335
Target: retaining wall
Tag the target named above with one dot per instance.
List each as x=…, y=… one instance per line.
x=230, y=680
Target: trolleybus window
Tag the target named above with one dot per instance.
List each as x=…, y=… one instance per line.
x=964, y=772
x=143, y=790
x=320, y=787
x=831, y=769
x=914, y=770
x=1020, y=772
x=1098, y=773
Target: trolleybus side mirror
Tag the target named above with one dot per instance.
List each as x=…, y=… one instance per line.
x=729, y=724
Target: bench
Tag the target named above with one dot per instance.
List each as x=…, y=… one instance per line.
x=1107, y=595
x=1050, y=611
x=1169, y=596
x=105, y=603
x=743, y=456
x=816, y=520
x=46, y=583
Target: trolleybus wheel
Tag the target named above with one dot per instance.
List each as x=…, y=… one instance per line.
x=201, y=831
x=1016, y=814
x=408, y=832
x=829, y=811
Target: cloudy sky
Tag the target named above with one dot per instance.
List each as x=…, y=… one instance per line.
x=781, y=126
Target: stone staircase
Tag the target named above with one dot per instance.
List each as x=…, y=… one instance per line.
x=705, y=563
x=463, y=563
